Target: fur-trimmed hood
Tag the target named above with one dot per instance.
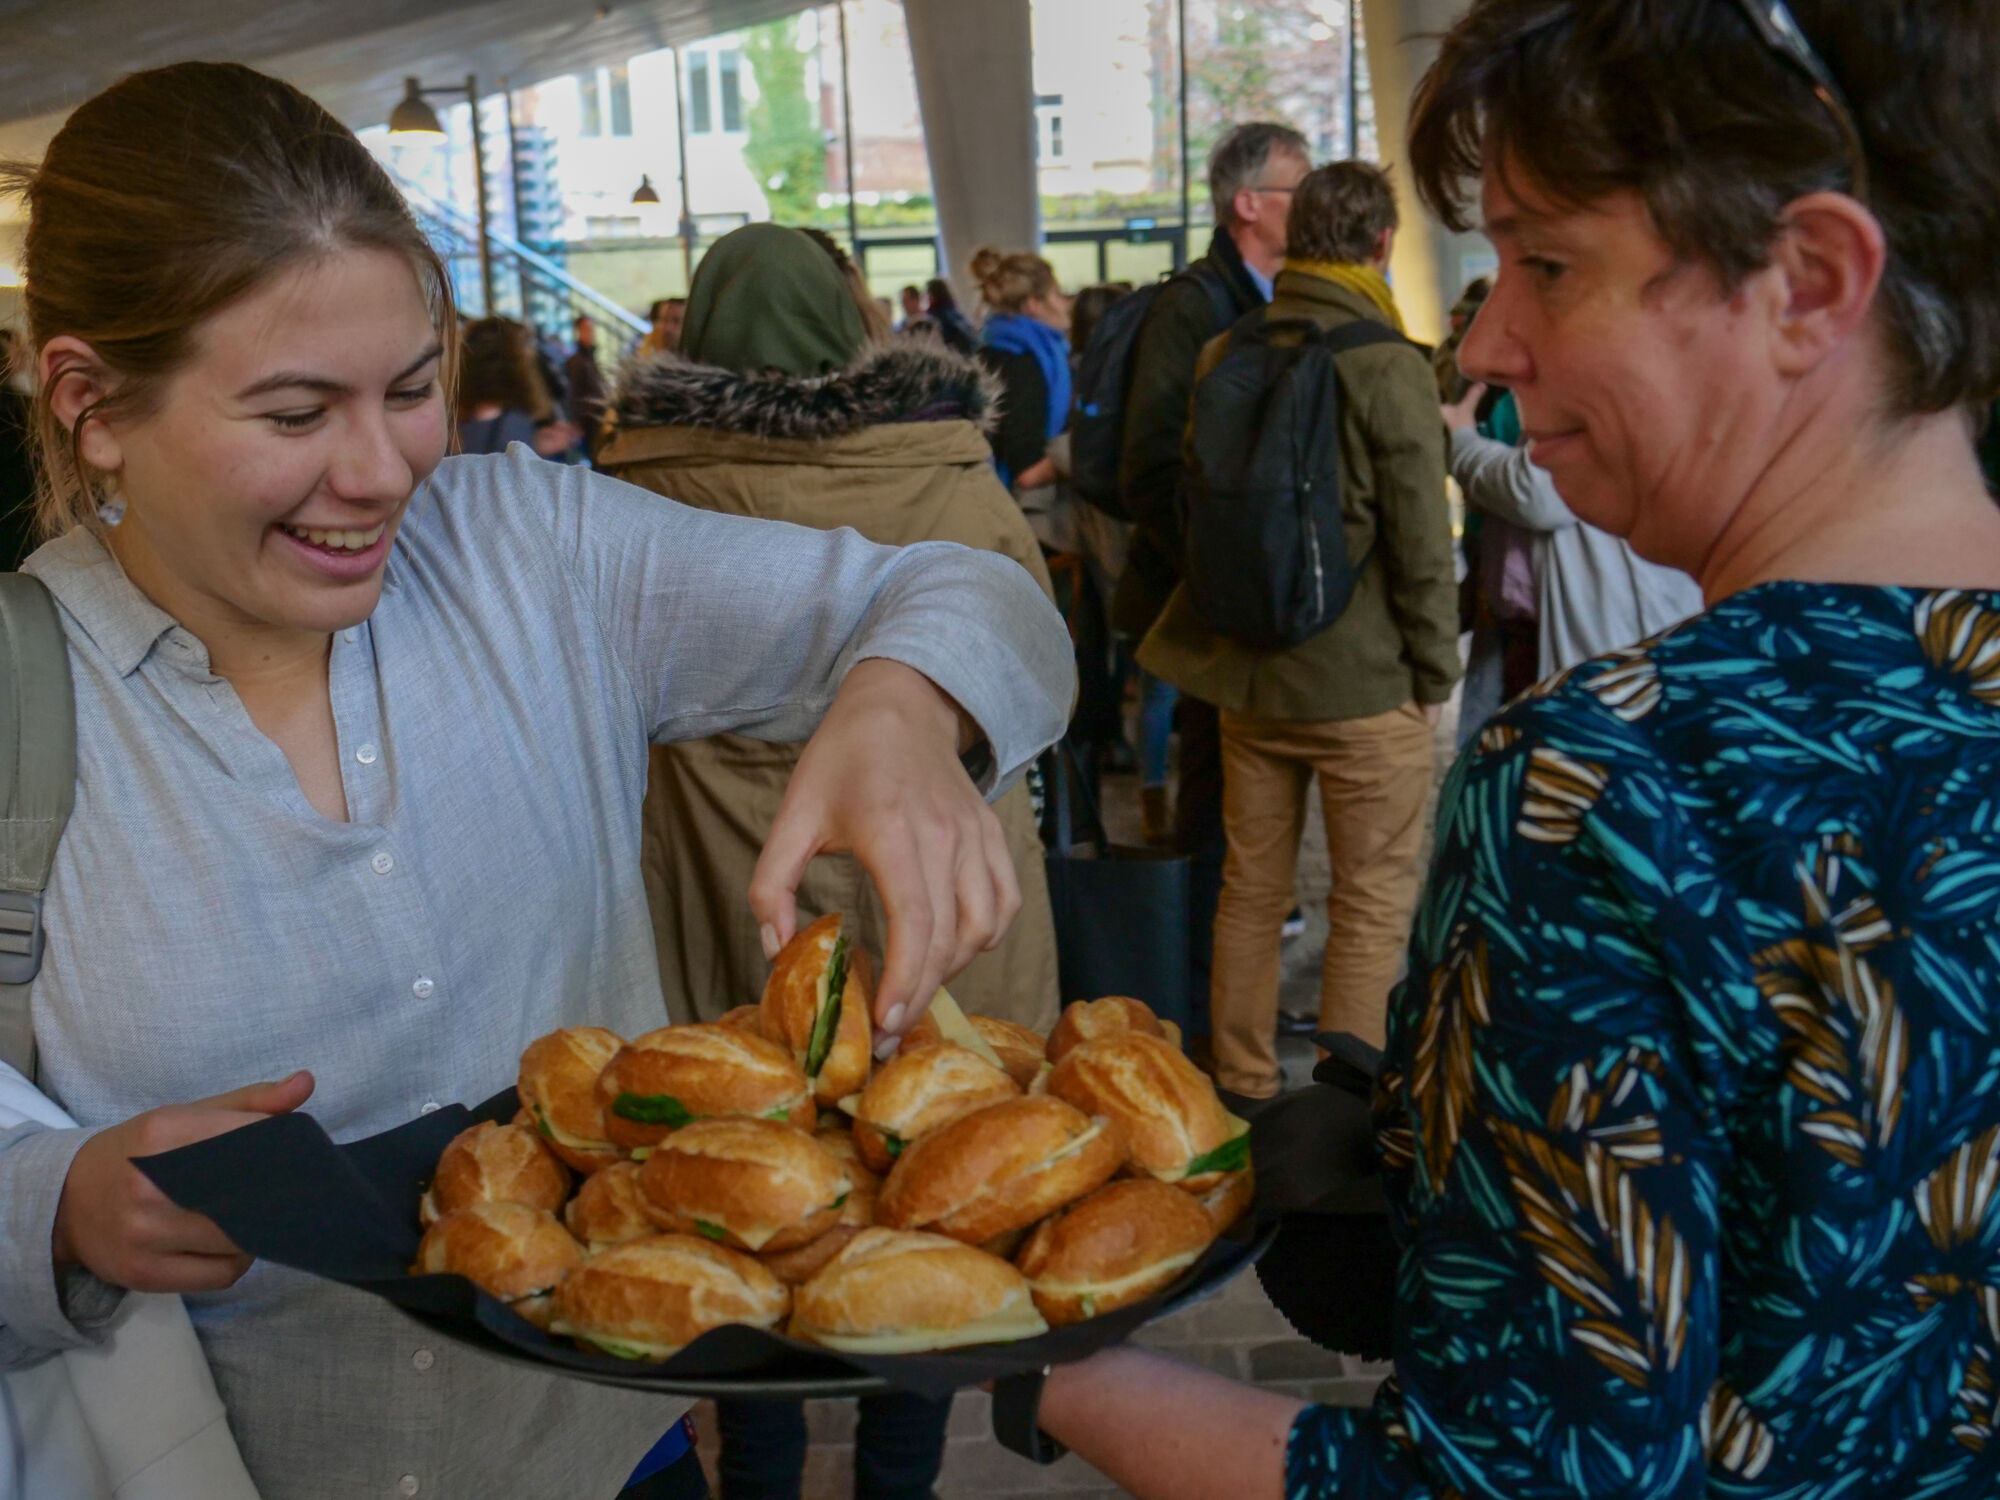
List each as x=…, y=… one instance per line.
x=907, y=380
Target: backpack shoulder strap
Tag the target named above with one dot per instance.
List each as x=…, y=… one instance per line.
x=37, y=790
x=1361, y=333
x=1221, y=300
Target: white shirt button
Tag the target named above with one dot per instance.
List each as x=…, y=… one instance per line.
x=382, y=863
x=366, y=755
x=350, y=635
x=423, y=1359
x=408, y=1484
x=423, y=988
x=431, y=1107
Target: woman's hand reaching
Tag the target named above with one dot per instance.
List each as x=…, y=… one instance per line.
x=881, y=779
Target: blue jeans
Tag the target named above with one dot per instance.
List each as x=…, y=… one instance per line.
x=1156, y=727
x=898, y=1448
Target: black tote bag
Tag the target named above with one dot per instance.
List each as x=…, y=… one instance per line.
x=1121, y=912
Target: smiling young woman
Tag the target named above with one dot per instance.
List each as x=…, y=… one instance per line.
x=362, y=740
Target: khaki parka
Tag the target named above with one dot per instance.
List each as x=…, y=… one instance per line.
x=893, y=447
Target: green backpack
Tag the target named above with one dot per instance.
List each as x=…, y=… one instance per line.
x=37, y=791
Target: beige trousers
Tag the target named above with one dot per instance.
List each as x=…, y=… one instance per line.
x=1374, y=776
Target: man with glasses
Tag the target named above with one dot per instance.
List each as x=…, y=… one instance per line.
x=1252, y=173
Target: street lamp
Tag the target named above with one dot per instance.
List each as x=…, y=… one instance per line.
x=646, y=192
x=412, y=117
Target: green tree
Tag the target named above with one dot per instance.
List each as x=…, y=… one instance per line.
x=785, y=151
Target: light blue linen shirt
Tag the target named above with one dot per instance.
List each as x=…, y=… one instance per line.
x=539, y=624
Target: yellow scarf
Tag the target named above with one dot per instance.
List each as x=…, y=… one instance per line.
x=1356, y=277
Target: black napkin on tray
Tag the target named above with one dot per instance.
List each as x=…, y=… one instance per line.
x=284, y=1192
x=1332, y=1268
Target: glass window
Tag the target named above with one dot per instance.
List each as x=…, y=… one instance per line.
x=1055, y=135
x=621, y=101
x=700, y=118
x=591, y=105
x=731, y=67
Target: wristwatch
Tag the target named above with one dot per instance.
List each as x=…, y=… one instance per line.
x=1017, y=1407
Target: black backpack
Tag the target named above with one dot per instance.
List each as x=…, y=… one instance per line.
x=1104, y=378
x=1266, y=552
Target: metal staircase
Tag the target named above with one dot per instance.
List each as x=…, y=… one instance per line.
x=527, y=284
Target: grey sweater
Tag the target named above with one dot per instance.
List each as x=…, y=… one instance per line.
x=1593, y=592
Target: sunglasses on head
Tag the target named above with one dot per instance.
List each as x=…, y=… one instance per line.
x=1779, y=30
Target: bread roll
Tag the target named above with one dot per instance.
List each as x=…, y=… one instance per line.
x=1118, y=1246
x=749, y=1184
x=668, y=1078
x=857, y=1213
x=558, y=1089
x=490, y=1163
x=817, y=1002
x=1086, y=1020
x=748, y=1018
x=1019, y=1049
x=1175, y=1127
x=1230, y=1198
x=998, y=1169
x=606, y=1210
x=895, y=1292
x=653, y=1297
x=919, y=1089
x=509, y=1251
x=795, y=1267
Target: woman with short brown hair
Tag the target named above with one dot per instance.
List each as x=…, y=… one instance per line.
x=1689, y=1117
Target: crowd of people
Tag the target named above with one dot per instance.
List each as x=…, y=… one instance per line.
x=1682, y=1054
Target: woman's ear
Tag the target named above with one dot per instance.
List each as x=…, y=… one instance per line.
x=1830, y=255
x=77, y=381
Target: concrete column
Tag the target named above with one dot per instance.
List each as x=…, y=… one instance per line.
x=974, y=63
x=1431, y=265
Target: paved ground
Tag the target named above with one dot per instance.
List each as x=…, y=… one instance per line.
x=1237, y=1332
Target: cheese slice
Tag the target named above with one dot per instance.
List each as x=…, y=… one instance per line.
x=1112, y=1288
x=953, y=1027
x=562, y=1137
x=1004, y=1327
x=617, y=1347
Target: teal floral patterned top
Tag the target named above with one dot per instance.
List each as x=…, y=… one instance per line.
x=1692, y=1117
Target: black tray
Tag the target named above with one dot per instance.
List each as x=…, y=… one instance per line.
x=284, y=1192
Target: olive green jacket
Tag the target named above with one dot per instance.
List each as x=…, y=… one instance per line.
x=1398, y=638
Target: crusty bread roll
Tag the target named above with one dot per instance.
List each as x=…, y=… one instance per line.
x=746, y=1017
x=750, y=1184
x=507, y=1250
x=1175, y=1127
x=998, y=1169
x=1118, y=1246
x=1086, y=1020
x=897, y=1292
x=796, y=1267
x=838, y=1142
x=1019, y=1049
x=817, y=1003
x=606, y=1210
x=489, y=1163
x=653, y=1297
x=1230, y=1198
x=668, y=1078
x=917, y=1090
x=558, y=1089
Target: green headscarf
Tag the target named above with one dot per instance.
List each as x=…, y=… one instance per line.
x=767, y=298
